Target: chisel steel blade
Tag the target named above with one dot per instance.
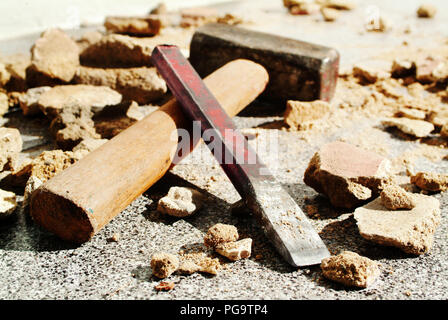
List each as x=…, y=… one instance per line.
x=282, y=220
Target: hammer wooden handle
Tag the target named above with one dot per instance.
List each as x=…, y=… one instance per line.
x=82, y=199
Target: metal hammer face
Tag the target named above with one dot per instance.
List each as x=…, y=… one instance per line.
x=297, y=70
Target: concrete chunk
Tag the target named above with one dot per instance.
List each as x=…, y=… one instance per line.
x=416, y=128
x=350, y=269
x=29, y=101
x=412, y=230
x=180, y=202
x=140, y=26
x=10, y=147
x=426, y=11
x=346, y=174
x=394, y=197
x=237, y=250
x=429, y=181
x=220, y=233
x=143, y=85
x=8, y=203
x=55, y=55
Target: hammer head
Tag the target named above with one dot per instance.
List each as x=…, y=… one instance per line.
x=297, y=70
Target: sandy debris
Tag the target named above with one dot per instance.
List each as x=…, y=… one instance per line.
x=426, y=11
x=143, y=85
x=53, y=101
x=429, y=181
x=164, y=264
x=181, y=202
x=416, y=128
x=346, y=174
x=10, y=147
x=302, y=115
x=394, y=197
x=54, y=55
x=412, y=230
x=237, y=250
x=8, y=203
x=220, y=233
x=29, y=101
x=350, y=269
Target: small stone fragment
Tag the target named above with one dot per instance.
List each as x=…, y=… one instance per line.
x=72, y=125
x=230, y=19
x=346, y=174
x=8, y=203
x=4, y=103
x=411, y=113
x=402, y=68
x=378, y=24
x=209, y=265
x=143, y=85
x=368, y=74
x=89, y=144
x=338, y=4
x=114, y=238
x=426, y=11
x=55, y=55
x=29, y=101
x=139, y=26
x=180, y=202
x=416, y=128
x=350, y=269
x=412, y=231
x=304, y=8
x=53, y=101
x=330, y=14
x=394, y=197
x=235, y=250
x=220, y=233
x=302, y=115
x=164, y=286
x=31, y=185
x=188, y=267
x=5, y=76
x=16, y=66
x=444, y=130
x=430, y=69
x=164, y=264
x=429, y=181
x=87, y=39
x=10, y=147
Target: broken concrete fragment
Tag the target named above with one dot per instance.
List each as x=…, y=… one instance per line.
x=4, y=103
x=188, y=267
x=87, y=39
x=220, y=233
x=164, y=286
x=402, y=68
x=164, y=264
x=29, y=101
x=5, y=76
x=55, y=55
x=444, y=130
x=330, y=14
x=429, y=181
x=10, y=147
x=117, y=50
x=237, y=250
x=378, y=24
x=438, y=117
x=90, y=144
x=394, y=197
x=350, y=269
x=304, y=8
x=426, y=11
x=411, y=113
x=16, y=66
x=409, y=230
x=416, y=128
x=429, y=69
x=31, y=185
x=230, y=19
x=143, y=85
x=302, y=115
x=346, y=174
x=195, y=17
x=139, y=26
x=8, y=203
x=338, y=4
x=53, y=101
x=209, y=265
x=180, y=202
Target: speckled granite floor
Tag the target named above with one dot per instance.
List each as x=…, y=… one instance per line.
x=36, y=265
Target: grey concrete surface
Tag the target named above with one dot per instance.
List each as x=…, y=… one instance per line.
x=35, y=264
